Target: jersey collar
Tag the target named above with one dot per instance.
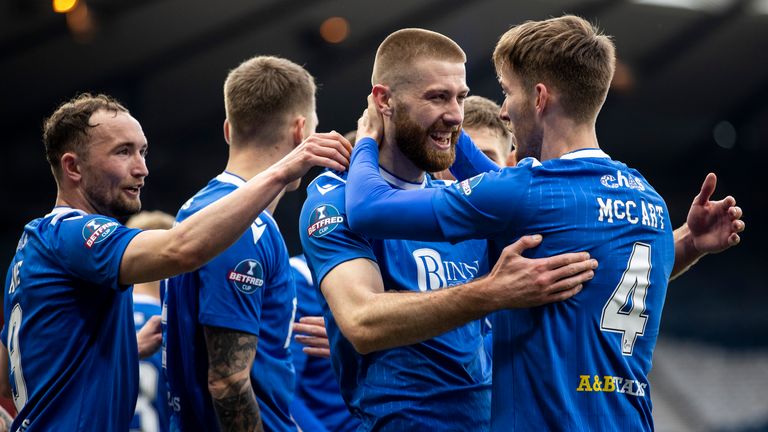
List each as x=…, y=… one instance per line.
x=60, y=211
x=585, y=153
x=228, y=177
x=400, y=183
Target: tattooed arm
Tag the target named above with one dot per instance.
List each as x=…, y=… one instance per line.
x=230, y=358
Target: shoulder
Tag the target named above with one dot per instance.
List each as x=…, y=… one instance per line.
x=209, y=194
x=327, y=185
x=325, y=197
x=76, y=224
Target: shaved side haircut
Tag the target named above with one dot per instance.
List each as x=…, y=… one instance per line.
x=263, y=93
x=400, y=50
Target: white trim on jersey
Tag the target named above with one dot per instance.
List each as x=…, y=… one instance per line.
x=400, y=183
x=60, y=211
x=585, y=153
x=230, y=178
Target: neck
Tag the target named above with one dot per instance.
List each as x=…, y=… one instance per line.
x=75, y=198
x=393, y=160
x=249, y=160
x=148, y=288
x=563, y=136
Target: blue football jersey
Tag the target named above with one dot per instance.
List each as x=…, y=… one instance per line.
x=317, y=390
x=439, y=384
x=581, y=364
x=69, y=325
x=152, y=405
x=247, y=288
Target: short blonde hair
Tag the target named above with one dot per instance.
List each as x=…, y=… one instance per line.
x=401, y=49
x=148, y=220
x=566, y=53
x=262, y=92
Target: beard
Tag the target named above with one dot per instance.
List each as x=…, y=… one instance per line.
x=413, y=141
x=118, y=207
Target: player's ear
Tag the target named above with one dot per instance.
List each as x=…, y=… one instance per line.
x=543, y=98
x=297, y=129
x=382, y=97
x=227, y=131
x=70, y=166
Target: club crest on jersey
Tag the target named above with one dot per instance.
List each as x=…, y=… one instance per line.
x=622, y=180
x=467, y=185
x=323, y=220
x=97, y=230
x=247, y=276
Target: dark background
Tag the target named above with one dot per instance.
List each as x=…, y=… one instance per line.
x=689, y=97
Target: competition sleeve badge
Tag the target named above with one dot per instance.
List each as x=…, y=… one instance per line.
x=323, y=220
x=467, y=185
x=247, y=276
x=97, y=230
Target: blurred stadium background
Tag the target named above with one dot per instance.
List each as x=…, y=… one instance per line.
x=690, y=96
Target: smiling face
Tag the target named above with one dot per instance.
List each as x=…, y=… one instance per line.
x=428, y=112
x=114, y=167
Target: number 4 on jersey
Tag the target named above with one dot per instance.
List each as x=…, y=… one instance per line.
x=625, y=311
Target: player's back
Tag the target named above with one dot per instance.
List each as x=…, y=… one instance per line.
x=247, y=288
x=441, y=383
x=582, y=364
x=69, y=325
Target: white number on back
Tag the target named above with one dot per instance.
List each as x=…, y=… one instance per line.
x=14, y=352
x=148, y=418
x=625, y=311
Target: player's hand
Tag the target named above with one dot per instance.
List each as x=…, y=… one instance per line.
x=150, y=337
x=714, y=225
x=371, y=123
x=310, y=332
x=329, y=150
x=519, y=282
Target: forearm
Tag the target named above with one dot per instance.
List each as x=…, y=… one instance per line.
x=686, y=254
x=391, y=319
x=230, y=358
x=237, y=408
x=371, y=202
x=155, y=255
x=470, y=161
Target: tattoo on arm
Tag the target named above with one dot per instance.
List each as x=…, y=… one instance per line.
x=230, y=357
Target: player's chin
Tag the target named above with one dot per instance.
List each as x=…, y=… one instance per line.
x=129, y=207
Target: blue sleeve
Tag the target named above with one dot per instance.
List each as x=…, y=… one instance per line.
x=232, y=285
x=484, y=205
x=91, y=247
x=474, y=208
x=378, y=210
x=325, y=236
x=470, y=161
